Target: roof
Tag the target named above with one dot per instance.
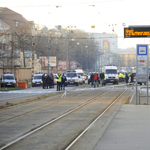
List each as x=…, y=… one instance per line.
x=10, y=17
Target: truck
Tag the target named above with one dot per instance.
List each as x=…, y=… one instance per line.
x=111, y=74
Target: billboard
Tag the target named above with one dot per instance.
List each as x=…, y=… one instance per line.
x=52, y=61
x=62, y=65
x=73, y=65
x=43, y=61
x=106, y=45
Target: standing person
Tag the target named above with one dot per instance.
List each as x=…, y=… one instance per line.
x=59, y=78
x=52, y=80
x=96, y=80
x=44, y=80
x=48, y=80
x=102, y=77
x=63, y=81
x=92, y=78
x=120, y=76
x=124, y=77
x=127, y=78
x=132, y=77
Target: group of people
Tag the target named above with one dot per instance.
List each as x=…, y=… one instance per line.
x=48, y=80
x=95, y=79
x=124, y=77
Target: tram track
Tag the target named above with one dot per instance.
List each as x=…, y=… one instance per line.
x=45, y=106
x=52, y=121
x=91, y=124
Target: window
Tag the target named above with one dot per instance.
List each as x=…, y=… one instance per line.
x=8, y=77
x=37, y=77
x=71, y=75
x=17, y=23
x=111, y=71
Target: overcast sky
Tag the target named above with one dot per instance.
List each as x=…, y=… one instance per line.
x=84, y=13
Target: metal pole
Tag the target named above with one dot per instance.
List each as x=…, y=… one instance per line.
x=12, y=53
x=33, y=58
x=136, y=76
x=87, y=59
x=56, y=58
x=48, y=55
x=81, y=58
x=67, y=53
x=147, y=74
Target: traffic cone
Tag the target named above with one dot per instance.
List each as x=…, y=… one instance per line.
x=26, y=86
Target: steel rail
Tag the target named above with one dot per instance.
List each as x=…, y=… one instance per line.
x=83, y=132
x=52, y=121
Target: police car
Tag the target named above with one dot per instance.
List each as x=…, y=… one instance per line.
x=72, y=78
x=37, y=80
x=8, y=79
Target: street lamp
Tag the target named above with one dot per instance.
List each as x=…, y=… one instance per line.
x=87, y=58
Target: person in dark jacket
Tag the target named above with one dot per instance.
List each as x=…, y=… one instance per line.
x=52, y=80
x=102, y=77
x=48, y=81
x=132, y=77
x=44, y=77
x=63, y=82
x=92, y=79
x=127, y=78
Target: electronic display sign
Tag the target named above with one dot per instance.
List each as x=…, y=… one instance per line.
x=137, y=32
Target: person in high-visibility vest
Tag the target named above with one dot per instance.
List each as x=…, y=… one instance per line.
x=124, y=76
x=120, y=76
x=59, y=79
x=104, y=82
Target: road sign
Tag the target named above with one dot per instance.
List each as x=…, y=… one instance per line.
x=142, y=63
x=142, y=70
x=137, y=32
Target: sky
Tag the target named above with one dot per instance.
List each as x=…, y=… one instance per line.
x=103, y=14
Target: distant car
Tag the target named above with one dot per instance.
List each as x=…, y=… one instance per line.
x=37, y=80
x=72, y=78
x=8, y=79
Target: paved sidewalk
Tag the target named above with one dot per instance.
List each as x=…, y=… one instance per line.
x=129, y=130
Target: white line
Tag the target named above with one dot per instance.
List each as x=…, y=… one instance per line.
x=92, y=123
x=132, y=97
x=27, y=134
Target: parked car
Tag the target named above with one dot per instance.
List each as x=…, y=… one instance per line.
x=8, y=79
x=37, y=80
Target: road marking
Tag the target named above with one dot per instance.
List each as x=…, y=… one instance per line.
x=132, y=97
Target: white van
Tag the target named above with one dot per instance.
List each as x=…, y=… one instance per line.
x=8, y=79
x=81, y=73
x=37, y=80
x=111, y=74
x=72, y=78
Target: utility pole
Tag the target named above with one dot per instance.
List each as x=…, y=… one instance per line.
x=48, y=55
x=57, y=58
x=81, y=57
x=67, y=53
x=33, y=57
x=12, y=51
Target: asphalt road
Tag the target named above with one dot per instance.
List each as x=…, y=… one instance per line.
x=33, y=91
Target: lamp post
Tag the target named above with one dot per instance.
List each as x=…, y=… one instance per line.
x=87, y=58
